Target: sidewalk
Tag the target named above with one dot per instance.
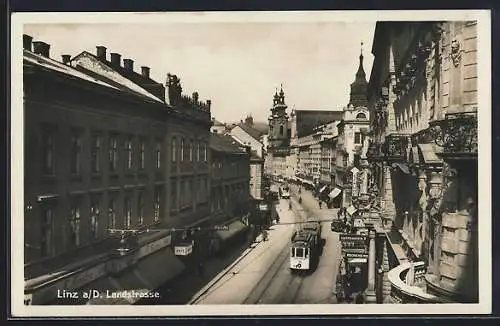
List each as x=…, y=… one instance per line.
x=181, y=289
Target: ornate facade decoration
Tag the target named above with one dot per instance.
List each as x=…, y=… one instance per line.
x=456, y=52
x=395, y=147
x=456, y=133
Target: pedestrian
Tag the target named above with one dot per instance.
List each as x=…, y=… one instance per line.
x=319, y=204
x=360, y=299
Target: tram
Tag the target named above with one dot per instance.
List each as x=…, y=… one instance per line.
x=305, y=247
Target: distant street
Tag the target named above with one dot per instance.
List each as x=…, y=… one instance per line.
x=262, y=275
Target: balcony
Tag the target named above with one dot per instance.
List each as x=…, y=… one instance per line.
x=394, y=148
x=456, y=134
x=408, y=289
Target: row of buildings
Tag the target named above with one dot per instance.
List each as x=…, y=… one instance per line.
x=123, y=179
x=403, y=156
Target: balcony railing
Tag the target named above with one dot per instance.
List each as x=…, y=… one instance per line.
x=456, y=133
x=410, y=289
x=394, y=147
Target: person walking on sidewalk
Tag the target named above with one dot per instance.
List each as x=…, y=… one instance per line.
x=319, y=202
x=201, y=269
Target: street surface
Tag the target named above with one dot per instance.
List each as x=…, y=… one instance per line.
x=262, y=275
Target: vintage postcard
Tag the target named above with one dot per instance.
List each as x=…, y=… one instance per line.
x=251, y=163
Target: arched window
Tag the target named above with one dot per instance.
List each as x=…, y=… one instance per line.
x=281, y=130
x=361, y=116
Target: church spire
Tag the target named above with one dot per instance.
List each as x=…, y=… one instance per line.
x=361, y=72
x=359, y=94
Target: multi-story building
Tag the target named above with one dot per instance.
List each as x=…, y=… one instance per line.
x=105, y=156
x=351, y=133
x=230, y=178
x=423, y=102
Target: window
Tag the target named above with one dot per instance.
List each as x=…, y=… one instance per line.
x=281, y=130
x=111, y=214
x=113, y=153
x=47, y=240
x=204, y=152
x=48, y=151
x=142, y=154
x=76, y=153
x=140, y=209
x=182, y=150
x=174, y=149
x=357, y=138
x=156, y=204
x=361, y=116
x=127, y=213
x=128, y=151
x=94, y=218
x=191, y=148
x=187, y=192
x=197, y=151
x=95, y=155
x=157, y=154
x=181, y=194
x=299, y=252
x=74, y=225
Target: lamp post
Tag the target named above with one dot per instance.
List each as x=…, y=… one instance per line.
x=370, y=295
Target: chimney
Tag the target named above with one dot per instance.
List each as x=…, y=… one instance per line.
x=209, y=103
x=128, y=64
x=145, y=71
x=27, y=42
x=41, y=48
x=101, y=52
x=66, y=58
x=116, y=59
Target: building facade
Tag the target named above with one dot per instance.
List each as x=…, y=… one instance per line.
x=100, y=164
x=423, y=102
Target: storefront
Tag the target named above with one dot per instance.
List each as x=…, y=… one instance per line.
x=123, y=280
x=231, y=233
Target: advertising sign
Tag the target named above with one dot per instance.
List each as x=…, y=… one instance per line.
x=354, y=243
x=263, y=207
x=183, y=250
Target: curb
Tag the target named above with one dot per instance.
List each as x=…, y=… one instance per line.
x=223, y=273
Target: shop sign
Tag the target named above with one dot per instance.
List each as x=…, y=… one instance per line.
x=354, y=243
x=184, y=250
x=358, y=223
x=154, y=246
x=263, y=207
x=356, y=255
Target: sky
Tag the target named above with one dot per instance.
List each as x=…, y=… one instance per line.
x=238, y=65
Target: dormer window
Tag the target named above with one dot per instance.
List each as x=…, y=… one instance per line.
x=361, y=116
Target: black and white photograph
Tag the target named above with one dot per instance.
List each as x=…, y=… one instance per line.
x=251, y=163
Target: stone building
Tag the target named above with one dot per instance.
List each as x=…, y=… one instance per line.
x=106, y=158
x=229, y=183
x=351, y=137
x=423, y=103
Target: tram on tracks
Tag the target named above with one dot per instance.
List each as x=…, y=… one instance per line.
x=305, y=247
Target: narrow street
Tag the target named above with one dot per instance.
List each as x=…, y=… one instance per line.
x=262, y=275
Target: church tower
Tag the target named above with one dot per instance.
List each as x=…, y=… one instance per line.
x=359, y=88
x=278, y=121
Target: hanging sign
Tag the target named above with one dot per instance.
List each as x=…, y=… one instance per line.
x=184, y=249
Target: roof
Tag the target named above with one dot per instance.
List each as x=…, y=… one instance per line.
x=129, y=80
x=225, y=143
x=40, y=61
x=307, y=120
x=217, y=123
x=254, y=133
x=262, y=127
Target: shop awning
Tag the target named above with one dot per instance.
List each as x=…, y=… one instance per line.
x=403, y=167
x=334, y=193
x=233, y=229
x=159, y=267
x=351, y=210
